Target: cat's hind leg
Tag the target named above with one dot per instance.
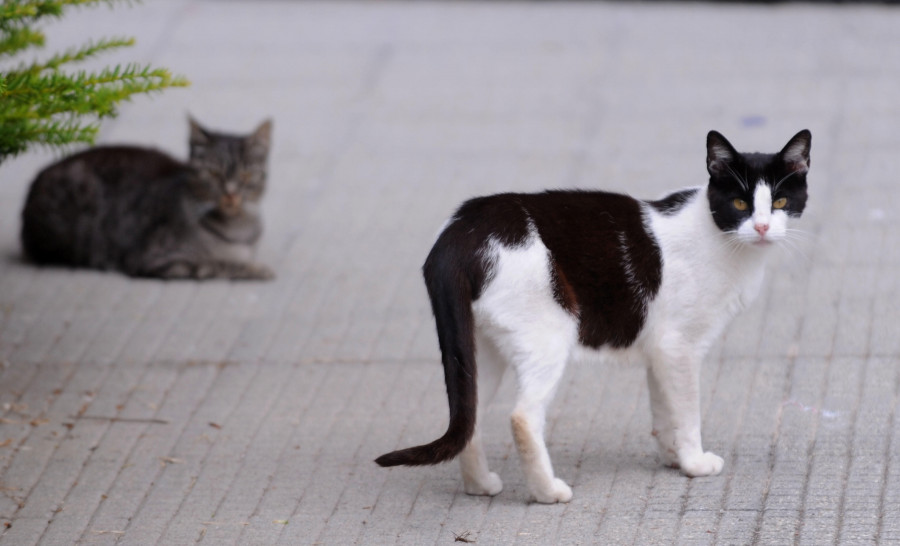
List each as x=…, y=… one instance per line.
x=539, y=371
x=535, y=334
x=477, y=478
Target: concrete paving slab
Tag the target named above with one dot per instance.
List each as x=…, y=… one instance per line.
x=142, y=412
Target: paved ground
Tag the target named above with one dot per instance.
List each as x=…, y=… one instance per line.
x=143, y=412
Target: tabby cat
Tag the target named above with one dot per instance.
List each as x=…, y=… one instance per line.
x=530, y=280
x=147, y=214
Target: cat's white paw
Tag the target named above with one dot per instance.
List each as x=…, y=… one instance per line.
x=491, y=486
x=705, y=464
x=558, y=492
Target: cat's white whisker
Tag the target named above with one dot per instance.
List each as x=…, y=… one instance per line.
x=799, y=234
x=792, y=248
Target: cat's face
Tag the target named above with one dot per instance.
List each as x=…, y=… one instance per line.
x=752, y=196
x=231, y=170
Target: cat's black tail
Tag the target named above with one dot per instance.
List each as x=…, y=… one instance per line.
x=453, y=280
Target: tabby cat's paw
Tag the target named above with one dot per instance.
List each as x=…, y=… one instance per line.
x=490, y=486
x=558, y=492
x=262, y=273
x=706, y=464
x=251, y=272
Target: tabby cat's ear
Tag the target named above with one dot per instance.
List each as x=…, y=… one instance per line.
x=198, y=133
x=719, y=153
x=796, y=152
x=263, y=133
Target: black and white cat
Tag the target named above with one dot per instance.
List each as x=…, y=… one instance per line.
x=532, y=279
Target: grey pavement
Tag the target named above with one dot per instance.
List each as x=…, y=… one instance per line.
x=146, y=412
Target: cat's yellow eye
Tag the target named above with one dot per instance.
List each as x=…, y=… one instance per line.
x=740, y=204
x=780, y=203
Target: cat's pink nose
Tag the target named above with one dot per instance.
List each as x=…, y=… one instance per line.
x=761, y=229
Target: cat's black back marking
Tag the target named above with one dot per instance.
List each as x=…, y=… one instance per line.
x=672, y=203
x=605, y=259
x=604, y=262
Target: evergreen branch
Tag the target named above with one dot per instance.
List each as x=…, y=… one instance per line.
x=25, y=86
x=17, y=39
x=23, y=12
x=110, y=87
x=79, y=54
x=44, y=106
x=15, y=138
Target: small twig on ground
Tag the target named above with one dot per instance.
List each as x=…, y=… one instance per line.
x=163, y=461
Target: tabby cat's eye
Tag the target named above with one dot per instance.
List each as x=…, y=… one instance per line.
x=780, y=203
x=740, y=204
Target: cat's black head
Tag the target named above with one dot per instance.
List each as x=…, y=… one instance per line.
x=752, y=194
x=231, y=169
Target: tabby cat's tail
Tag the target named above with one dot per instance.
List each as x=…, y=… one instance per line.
x=450, y=287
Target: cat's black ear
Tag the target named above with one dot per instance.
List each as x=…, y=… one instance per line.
x=719, y=153
x=796, y=152
x=198, y=133
x=263, y=133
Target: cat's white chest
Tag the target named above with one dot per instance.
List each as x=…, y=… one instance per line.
x=706, y=281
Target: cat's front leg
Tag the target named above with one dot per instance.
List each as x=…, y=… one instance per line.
x=674, y=381
x=662, y=424
x=237, y=271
